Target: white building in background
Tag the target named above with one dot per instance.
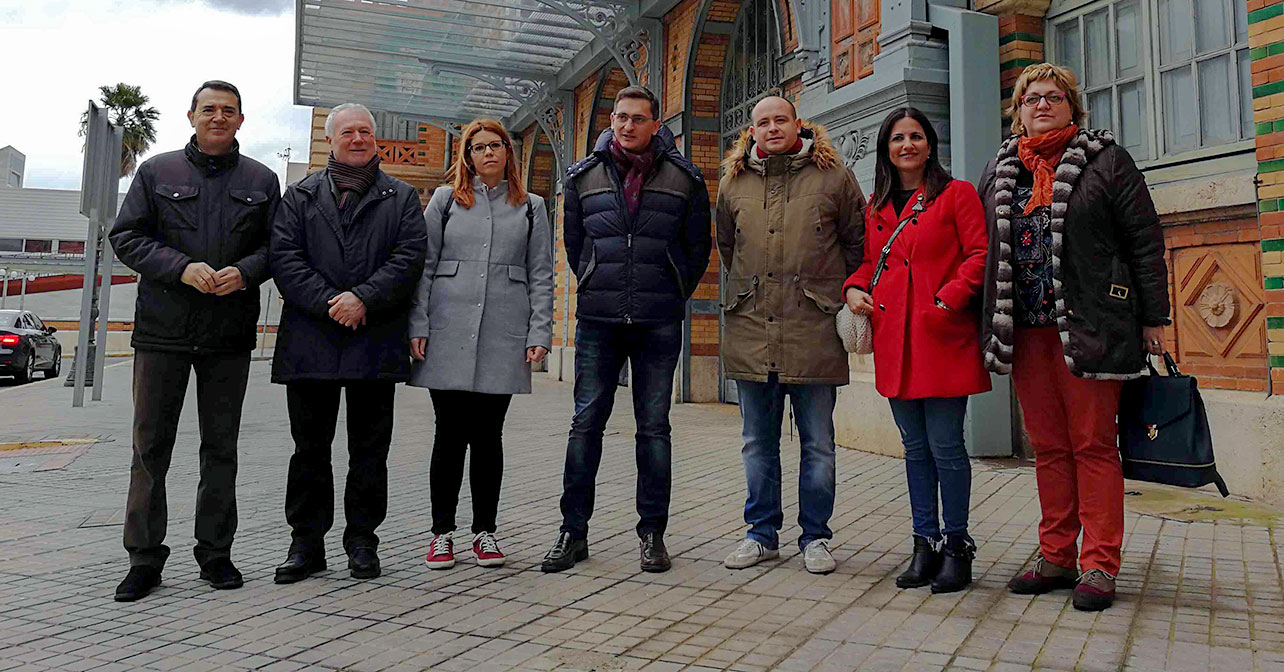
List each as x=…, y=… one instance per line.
x=43, y=221
x=13, y=165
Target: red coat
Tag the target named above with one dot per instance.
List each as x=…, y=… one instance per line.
x=921, y=350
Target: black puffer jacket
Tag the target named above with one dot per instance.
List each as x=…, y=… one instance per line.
x=375, y=249
x=185, y=207
x=636, y=270
x=1108, y=249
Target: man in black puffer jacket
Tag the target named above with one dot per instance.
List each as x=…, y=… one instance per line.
x=194, y=226
x=637, y=237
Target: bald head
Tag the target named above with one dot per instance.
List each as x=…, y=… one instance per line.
x=775, y=125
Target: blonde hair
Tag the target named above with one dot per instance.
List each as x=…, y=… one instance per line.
x=461, y=173
x=1061, y=76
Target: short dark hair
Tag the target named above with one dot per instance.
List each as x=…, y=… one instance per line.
x=640, y=93
x=218, y=85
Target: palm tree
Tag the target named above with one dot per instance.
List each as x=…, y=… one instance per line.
x=126, y=108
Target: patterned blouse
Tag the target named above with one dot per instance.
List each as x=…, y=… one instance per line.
x=1035, y=304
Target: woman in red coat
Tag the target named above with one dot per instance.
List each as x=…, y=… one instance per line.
x=927, y=358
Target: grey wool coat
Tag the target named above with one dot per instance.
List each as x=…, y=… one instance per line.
x=486, y=293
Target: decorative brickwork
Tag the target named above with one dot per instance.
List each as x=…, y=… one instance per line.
x=679, y=23
x=1266, y=47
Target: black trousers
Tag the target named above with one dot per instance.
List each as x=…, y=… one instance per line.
x=160, y=383
x=467, y=419
x=309, y=493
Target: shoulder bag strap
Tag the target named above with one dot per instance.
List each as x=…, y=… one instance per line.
x=887, y=249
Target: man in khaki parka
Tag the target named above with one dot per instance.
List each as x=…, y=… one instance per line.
x=790, y=226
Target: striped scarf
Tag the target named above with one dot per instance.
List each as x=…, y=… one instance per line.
x=352, y=182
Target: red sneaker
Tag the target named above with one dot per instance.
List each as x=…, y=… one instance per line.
x=441, y=552
x=487, y=551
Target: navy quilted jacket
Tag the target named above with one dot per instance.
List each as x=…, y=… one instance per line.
x=636, y=270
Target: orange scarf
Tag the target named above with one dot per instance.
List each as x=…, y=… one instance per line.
x=1041, y=155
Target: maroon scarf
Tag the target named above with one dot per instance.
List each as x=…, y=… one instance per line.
x=798, y=145
x=637, y=167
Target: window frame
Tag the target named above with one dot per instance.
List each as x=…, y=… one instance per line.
x=1151, y=76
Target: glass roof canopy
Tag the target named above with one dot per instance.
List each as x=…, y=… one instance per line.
x=419, y=58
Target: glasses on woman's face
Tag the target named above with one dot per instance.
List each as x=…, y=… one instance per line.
x=492, y=146
x=1032, y=99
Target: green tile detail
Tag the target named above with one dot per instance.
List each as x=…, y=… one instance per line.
x=1274, y=283
x=1270, y=166
x=1265, y=127
x=1256, y=54
x=1266, y=89
x=1279, y=125
x=1276, y=245
x=1277, y=361
x=1021, y=37
x=1275, y=323
x=1268, y=206
x=1265, y=13
x=1021, y=63
x=1275, y=49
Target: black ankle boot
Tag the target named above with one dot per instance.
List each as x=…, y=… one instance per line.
x=923, y=567
x=956, y=566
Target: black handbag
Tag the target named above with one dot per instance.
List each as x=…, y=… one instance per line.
x=1163, y=431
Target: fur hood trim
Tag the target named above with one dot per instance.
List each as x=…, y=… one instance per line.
x=823, y=153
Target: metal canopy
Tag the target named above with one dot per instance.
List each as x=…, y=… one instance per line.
x=451, y=61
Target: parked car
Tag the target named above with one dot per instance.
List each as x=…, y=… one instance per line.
x=27, y=346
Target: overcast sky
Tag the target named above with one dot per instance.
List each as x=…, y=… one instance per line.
x=56, y=53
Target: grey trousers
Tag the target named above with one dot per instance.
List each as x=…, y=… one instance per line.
x=160, y=383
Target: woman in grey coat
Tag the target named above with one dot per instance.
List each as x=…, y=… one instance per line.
x=483, y=313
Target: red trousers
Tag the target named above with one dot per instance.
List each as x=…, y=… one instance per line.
x=1071, y=423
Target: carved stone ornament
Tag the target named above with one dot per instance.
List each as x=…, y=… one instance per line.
x=1216, y=304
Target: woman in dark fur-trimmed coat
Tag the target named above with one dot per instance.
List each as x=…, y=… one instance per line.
x=1076, y=294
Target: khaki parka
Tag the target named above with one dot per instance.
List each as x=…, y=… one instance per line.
x=790, y=230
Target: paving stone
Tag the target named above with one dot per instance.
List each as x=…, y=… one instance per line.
x=1193, y=596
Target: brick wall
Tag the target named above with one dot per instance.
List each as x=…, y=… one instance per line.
x=678, y=25
x=1266, y=47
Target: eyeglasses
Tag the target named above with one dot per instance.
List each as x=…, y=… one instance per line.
x=1032, y=99
x=622, y=118
x=481, y=149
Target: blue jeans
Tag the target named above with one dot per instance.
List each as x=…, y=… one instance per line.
x=601, y=349
x=932, y=431
x=762, y=406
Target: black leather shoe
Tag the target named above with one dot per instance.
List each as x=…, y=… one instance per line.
x=956, y=566
x=923, y=566
x=364, y=563
x=221, y=574
x=655, y=557
x=564, y=553
x=138, y=583
x=299, y=566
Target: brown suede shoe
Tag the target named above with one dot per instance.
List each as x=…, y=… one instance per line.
x=1043, y=578
x=1095, y=592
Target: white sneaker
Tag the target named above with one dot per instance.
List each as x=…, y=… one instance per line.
x=748, y=554
x=817, y=558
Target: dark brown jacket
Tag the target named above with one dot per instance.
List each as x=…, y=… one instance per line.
x=1108, y=254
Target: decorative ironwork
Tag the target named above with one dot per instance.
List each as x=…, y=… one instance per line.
x=750, y=72
x=613, y=24
x=399, y=152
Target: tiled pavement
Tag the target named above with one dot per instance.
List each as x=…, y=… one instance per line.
x=1194, y=596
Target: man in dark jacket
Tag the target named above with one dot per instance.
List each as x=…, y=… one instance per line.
x=194, y=226
x=637, y=236
x=348, y=248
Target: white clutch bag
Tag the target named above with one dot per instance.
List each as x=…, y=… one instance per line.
x=856, y=331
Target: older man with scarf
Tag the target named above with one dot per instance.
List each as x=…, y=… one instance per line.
x=348, y=248
x=637, y=237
